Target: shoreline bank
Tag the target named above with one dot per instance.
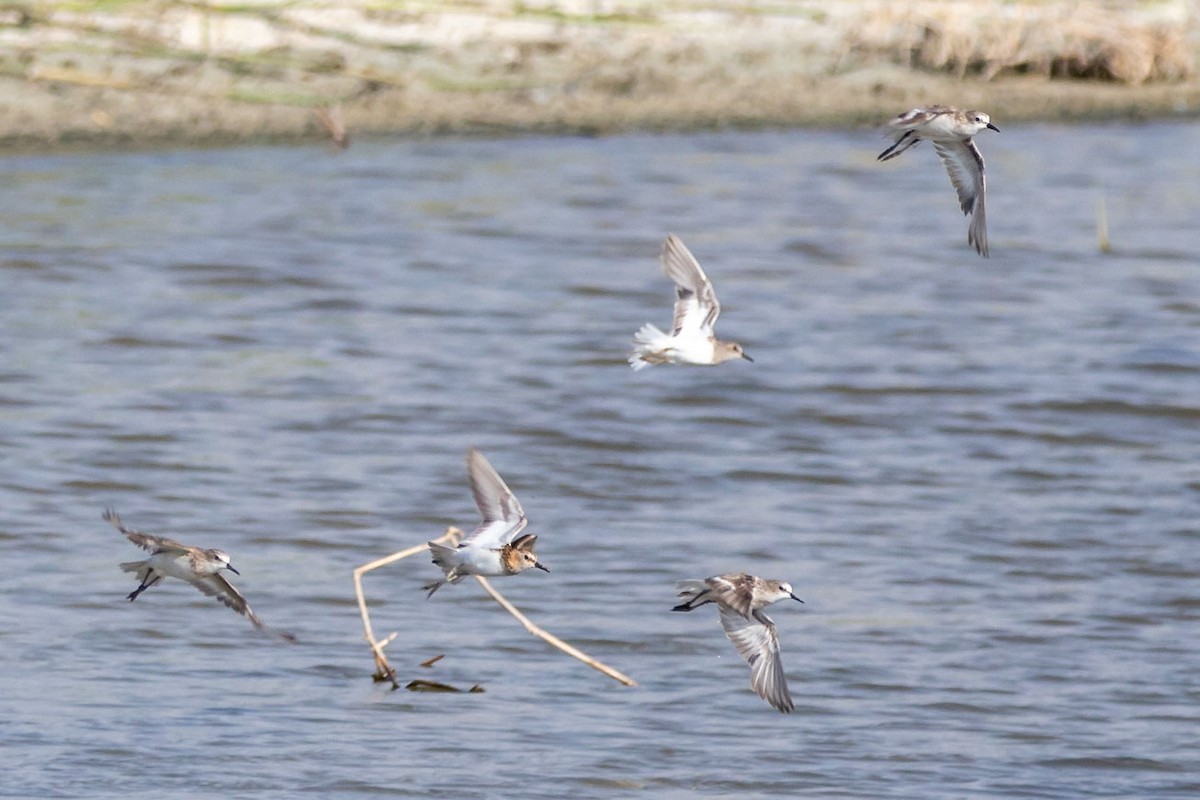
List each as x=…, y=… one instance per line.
x=155, y=74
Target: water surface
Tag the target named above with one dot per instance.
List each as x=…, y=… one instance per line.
x=981, y=475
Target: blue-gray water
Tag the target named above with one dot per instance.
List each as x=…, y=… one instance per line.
x=982, y=476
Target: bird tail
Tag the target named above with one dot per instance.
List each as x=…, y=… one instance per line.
x=136, y=566
x=691, y=591
x=442, y=556
x=648, y=341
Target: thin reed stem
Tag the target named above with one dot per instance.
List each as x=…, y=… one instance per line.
x=551, y=638
x=384, y=670
x=1102, y=225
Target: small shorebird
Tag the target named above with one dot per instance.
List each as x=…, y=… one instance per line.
x=493, y=548
x=200, y=568
x=741, y=599
x=691, y=340
x=950, y=130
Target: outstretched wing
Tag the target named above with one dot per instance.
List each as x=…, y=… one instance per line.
x=503, y=517
x=964, y=164
x=217, y=586
x=153, y=544
x=755, y=639
x=696, y=306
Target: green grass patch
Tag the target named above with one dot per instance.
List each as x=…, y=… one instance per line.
x=265, y=97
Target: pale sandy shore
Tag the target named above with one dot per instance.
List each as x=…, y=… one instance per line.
x=135, y=73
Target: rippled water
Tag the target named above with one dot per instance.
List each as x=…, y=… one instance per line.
x=983, y=476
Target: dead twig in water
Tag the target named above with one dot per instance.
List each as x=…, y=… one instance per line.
x=384, y=671
x=434, y=686
x=331, y=120
x=1102, y=224
x=551, y=638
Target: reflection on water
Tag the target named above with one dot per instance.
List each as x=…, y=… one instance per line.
x=981, y=475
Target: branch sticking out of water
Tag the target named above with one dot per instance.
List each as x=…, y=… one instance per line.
x=1102, y=225
x=551, y=638
x=385, y=672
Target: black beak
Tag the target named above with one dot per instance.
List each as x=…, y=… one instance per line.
x=993, y=127
x=797, y=599
x=748, y=358
x=538, y=564
x=231, y=569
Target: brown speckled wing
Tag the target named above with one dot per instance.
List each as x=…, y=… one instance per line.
x=152, y=544
x=735, y=590
x=217, y=586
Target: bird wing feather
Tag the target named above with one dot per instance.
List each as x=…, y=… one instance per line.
x=696, y=305
x=217, y=586
x=756, y=640
x=503, y=517
x=146, y=541
x=918, y=117
x=735, y=590
x=964, y=164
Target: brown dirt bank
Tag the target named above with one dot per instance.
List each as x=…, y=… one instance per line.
x=141, y=73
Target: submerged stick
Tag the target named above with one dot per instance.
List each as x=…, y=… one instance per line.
x=1102, y=225
x=551, y=638
x=384, y=671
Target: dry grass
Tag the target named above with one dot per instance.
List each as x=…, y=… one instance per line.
x=138, y=72
x=1127, y=43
